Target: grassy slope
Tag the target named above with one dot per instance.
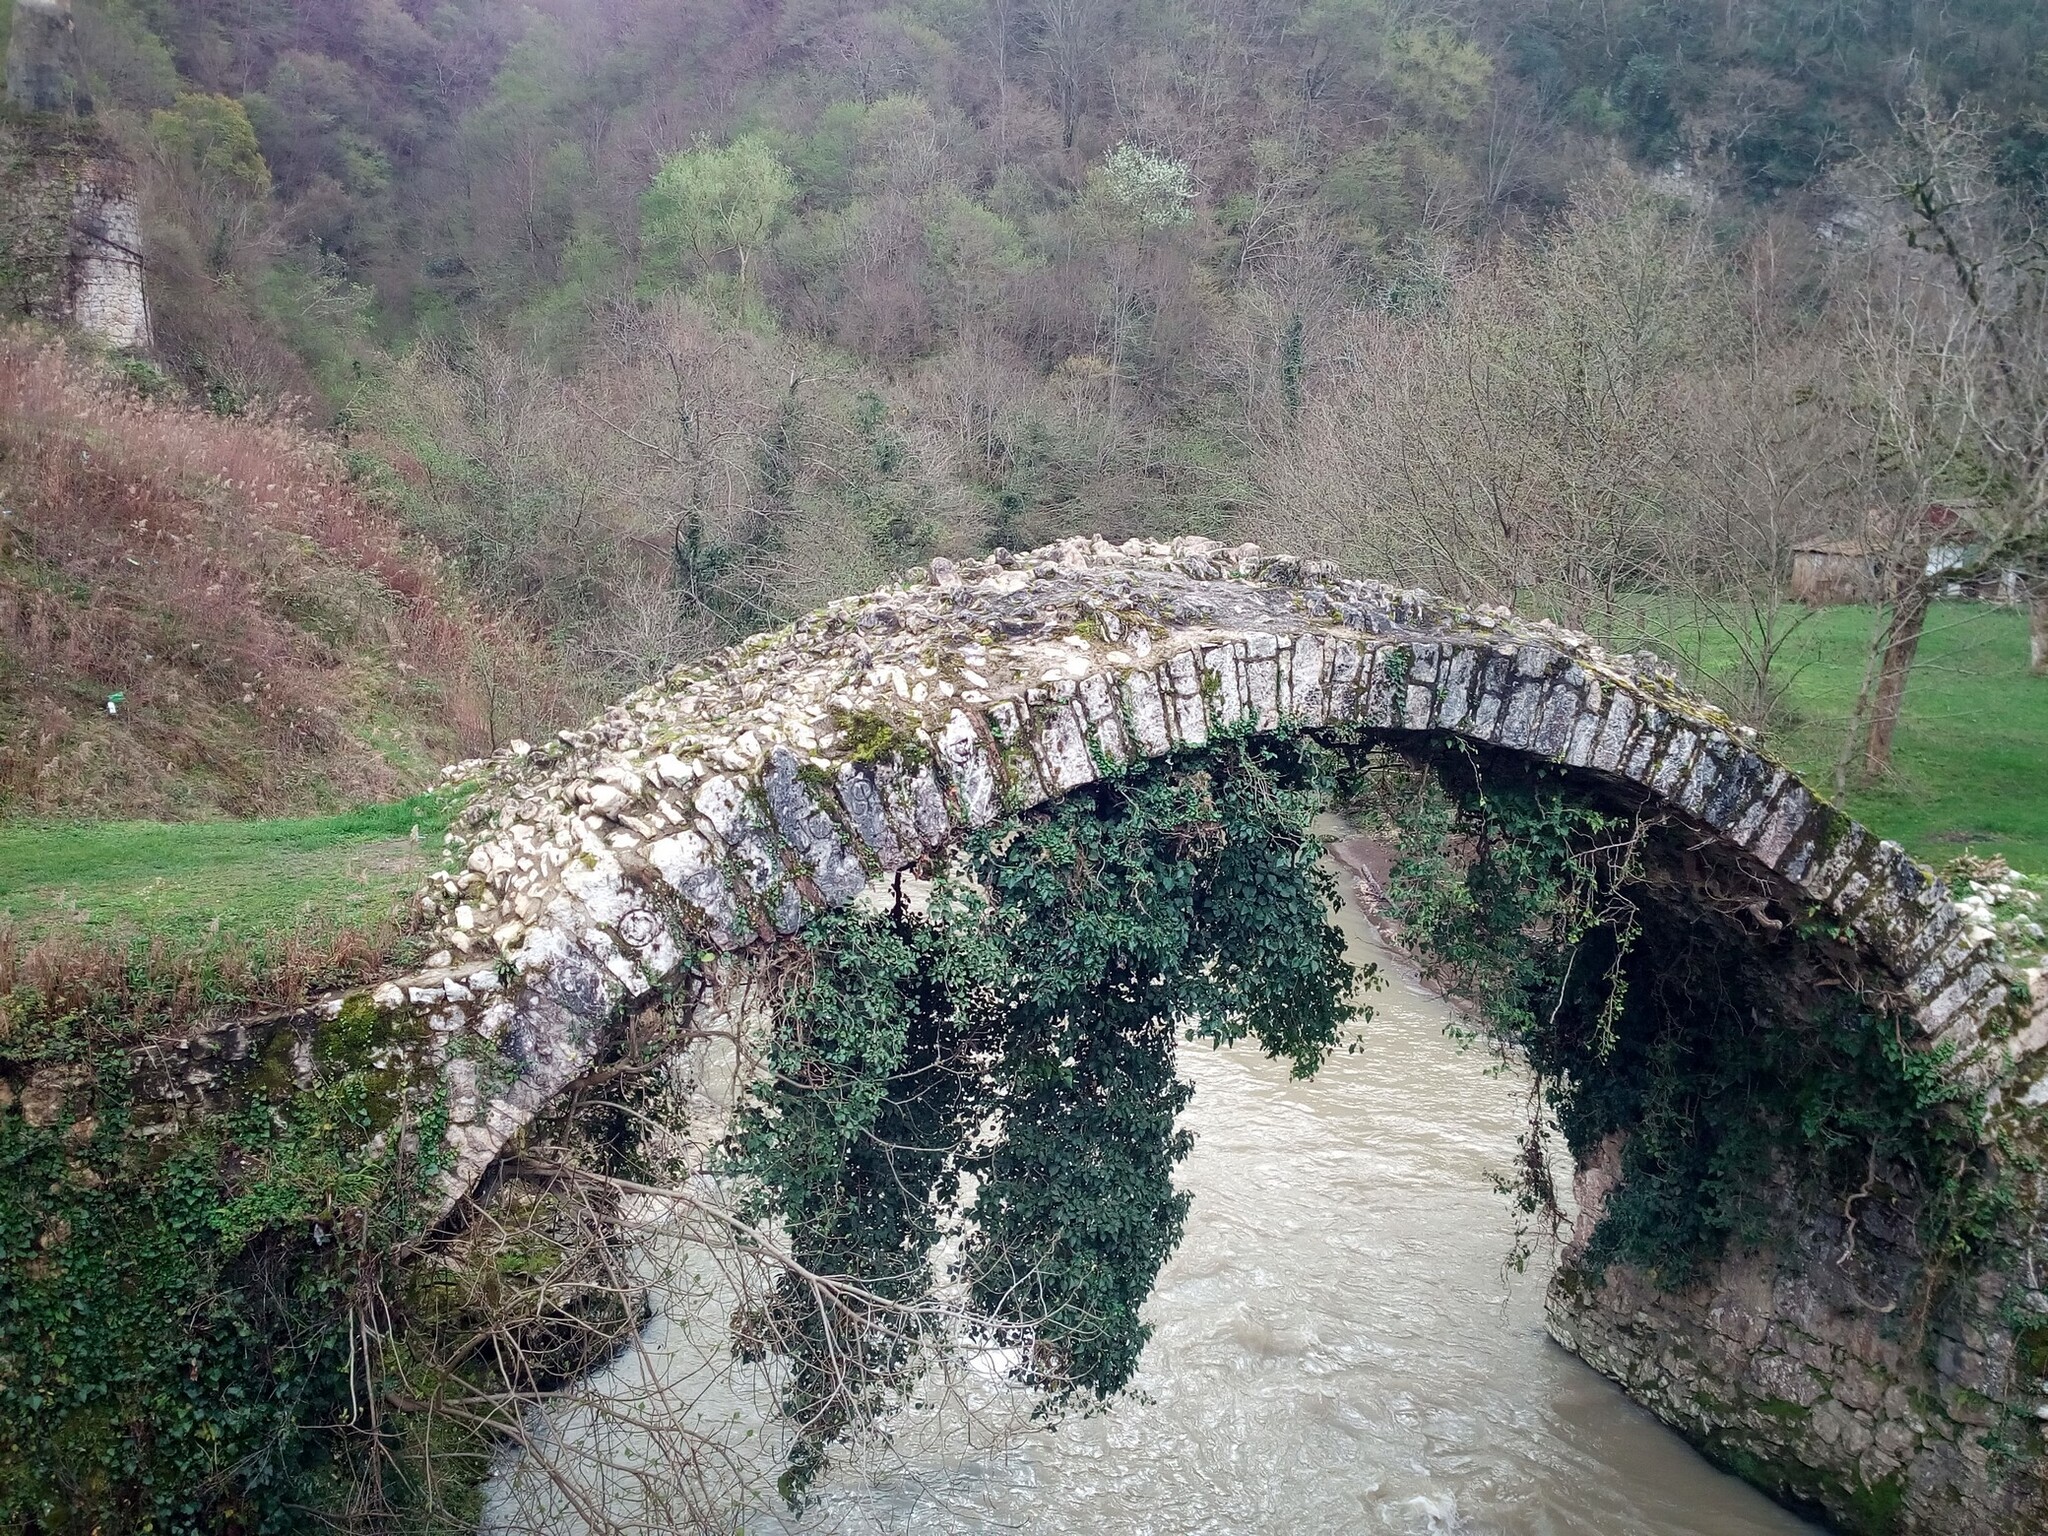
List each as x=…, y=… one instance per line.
x=1971, y=756
x=190, y=881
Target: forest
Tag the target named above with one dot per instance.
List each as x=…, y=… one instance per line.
x=662, y=320
x=509, y=355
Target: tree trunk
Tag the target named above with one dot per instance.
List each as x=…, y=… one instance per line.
x=1904, y=641
x=2037, y=627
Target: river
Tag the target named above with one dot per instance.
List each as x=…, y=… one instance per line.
x=1337, y=1347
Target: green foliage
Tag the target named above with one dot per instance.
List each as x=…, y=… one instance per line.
x=711, y=202
x=1017, y=1038
x=973, y=248
x=1643, y=98
x=592, y=268
x=824, y=160
x=128, y=62
x=1291, y=365
x=1590, y=108
x=325, y=318
x=311, y=1149
x=1437, y=73
x=1726, y=1068
x=176, y=1343
x=144, y=377
x=1373, y=189
x=210, y=138
x=1348, y=35
x=1784, y=89
x=131, y=1377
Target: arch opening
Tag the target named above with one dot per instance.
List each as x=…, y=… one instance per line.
x=1731, y=1077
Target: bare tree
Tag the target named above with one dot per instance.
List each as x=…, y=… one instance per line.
x=1068, y=37
x=1906, y=357
x=1515, y=442
x=1764, y=467
x=1948, y=330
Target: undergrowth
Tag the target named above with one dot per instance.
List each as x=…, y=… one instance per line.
x=228, y=1317
x=179, y=1314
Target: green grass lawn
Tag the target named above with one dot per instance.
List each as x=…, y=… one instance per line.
x=1970, y=771
x=190, y=880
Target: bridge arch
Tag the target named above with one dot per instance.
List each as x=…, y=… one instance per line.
x=723, y=807
x=726, y=804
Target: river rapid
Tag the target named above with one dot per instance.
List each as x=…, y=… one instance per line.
x=1337, y=1345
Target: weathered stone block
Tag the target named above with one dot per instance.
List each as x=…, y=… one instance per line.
x=1145, y=714
x=1261, y=664
x=1180, y=681
x=811, y=832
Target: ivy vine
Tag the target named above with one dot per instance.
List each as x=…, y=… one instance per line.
x=1001, y=1063
x=1711, y=1046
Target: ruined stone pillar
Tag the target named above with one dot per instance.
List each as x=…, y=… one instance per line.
x=43, y=73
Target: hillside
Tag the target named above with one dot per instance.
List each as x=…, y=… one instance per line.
x=202, y=616
x=693, y=313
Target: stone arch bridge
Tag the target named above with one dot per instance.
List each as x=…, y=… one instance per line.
x=725, y=805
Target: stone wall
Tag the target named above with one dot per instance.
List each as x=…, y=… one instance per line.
x=725, y=805
x=43, y=163
x=1845, y=1389
x=70, y=231
x=107, y=300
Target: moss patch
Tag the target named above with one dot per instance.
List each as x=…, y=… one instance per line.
x=872, y=737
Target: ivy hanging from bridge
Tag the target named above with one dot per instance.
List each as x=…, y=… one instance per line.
x=1001, y=1064
x=1718, y=1048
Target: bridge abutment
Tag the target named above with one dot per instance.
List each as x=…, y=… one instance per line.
x=1860, y=1409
